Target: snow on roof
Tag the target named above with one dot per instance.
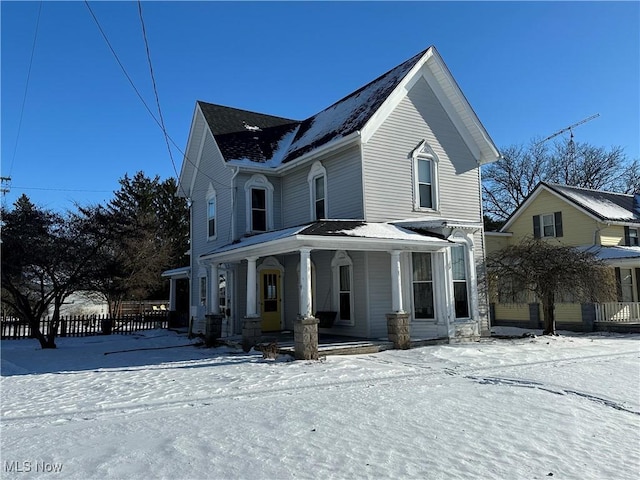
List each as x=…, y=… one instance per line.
x=350, y=113
x=245, y=136
x=385, y=231
x=613, y=253
x=605, y=205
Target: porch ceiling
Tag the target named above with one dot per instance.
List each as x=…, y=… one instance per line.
x=330, y=235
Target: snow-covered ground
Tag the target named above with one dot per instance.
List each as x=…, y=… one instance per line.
x=566, y=407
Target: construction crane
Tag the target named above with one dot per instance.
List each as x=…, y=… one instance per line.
x=571, y=145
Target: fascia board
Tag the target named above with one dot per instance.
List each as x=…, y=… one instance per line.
x=320, y=242
x=394, y=98
x=532, y=197
x=184, y=171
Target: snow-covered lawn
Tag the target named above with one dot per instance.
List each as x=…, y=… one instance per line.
x=566, y=407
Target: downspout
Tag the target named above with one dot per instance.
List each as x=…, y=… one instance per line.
x=597, y=232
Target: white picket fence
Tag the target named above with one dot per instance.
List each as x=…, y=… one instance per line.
x=619, y=312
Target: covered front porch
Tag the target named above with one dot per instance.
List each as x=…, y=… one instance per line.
x=360, y=274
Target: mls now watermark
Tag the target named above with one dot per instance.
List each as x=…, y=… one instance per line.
x=32, y=467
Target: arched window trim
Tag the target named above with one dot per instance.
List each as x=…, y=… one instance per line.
x=424, y=152
x=259, y=181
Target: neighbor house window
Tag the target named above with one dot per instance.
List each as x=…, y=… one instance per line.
x=422, y=275
x=460, y=290
x=259, y=198
x=631, y=237
x=626, y=284
x=317, y=179
x=211, y=217
x=547, y=225
x=343, y=287
x=425, y=178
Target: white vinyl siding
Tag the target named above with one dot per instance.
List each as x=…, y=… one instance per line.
x=343, y=188
x=388, y=167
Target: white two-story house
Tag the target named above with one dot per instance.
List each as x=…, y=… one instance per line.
x=369, y=208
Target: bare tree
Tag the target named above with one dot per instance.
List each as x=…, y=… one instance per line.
x=46, y=257
x=550, y=271
x=507, y=182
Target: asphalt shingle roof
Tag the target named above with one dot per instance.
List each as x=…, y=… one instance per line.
x=246, y=135
x=604, y=205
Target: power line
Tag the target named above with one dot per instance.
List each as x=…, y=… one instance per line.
x=155, y=91
x=104, y=35
x=26, y=89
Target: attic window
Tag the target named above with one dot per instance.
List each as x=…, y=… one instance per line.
x=317, y=179
x=425, y=175
x=547, y=225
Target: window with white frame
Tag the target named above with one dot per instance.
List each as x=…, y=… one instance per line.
x=459, y=274
x=259, y=201
x=425, y=168
x=626, y=284
x=422, y=279
x=631, y=237
x=211, y=217
x=343, y=287
x=547, y=225
x=258, y=210
x=317, y=179
x=203, y=291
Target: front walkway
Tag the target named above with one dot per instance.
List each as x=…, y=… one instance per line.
x=333, y=344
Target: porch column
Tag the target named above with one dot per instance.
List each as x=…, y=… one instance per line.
x=214, y=289
x=305, y=328
x=252, y=325
x=305, y=282
x=396, y=283
x=172, y=294
x=252, y=298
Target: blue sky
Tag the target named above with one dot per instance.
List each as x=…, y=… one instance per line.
x=528, y=69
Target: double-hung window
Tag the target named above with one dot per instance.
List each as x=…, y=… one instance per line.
x=631, y=236
x=460, y=289
x=259, y=203
x=317, y=179
x=258, y=210
x=425, y=163
x=203, y=291
x=211, y=217
x=547, y=225
x=343, y=287
x=423, y=305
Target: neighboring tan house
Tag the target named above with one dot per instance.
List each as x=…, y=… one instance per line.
x=369, y=209
x=605, y=223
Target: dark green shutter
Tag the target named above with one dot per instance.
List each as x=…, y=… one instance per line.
x=627, y=237
x=638, y=284
x=557, y=219
x=536, y=226
x=618, y=284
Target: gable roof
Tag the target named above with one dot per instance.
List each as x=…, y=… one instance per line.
x=600, y=205
x=255, y=138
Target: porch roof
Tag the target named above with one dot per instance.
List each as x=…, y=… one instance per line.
x=617, y=255
x=330, y=235
x=181, y=272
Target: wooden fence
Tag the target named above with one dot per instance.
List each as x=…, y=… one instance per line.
x=87, y=325
x=619, y=312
